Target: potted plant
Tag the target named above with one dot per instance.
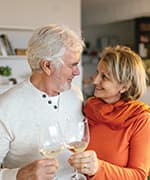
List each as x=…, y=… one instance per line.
x=5, y=72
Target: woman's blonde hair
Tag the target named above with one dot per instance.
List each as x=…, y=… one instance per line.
x=126, y=67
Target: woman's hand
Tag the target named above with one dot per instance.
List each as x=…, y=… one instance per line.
x=85, y=162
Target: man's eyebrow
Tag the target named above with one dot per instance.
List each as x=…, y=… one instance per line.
x=74, y=64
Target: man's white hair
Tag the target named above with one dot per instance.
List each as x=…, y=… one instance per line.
x=50, y=42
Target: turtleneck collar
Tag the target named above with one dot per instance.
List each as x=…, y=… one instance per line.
x=117, y=115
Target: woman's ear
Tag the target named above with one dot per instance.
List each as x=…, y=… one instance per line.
x=125, y=87
x=46, y=66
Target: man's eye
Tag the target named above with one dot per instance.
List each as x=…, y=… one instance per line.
x=73, y=65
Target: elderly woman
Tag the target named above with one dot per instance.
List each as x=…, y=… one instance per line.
x=119, y=148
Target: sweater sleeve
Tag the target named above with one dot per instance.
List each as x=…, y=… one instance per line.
x=110, y=171
x=5, y=139
x=139, y=157
x=7, y=174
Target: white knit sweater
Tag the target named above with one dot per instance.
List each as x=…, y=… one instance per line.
x=24, y=108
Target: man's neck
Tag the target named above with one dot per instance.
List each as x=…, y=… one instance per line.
x=42, y=83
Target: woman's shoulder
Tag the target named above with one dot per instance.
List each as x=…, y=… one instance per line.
x=142, y=123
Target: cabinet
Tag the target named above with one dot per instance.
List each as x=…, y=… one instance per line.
x=142, y=36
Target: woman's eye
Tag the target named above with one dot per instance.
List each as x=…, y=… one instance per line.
x=104, y=76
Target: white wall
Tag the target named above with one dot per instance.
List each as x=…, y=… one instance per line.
x=24, y=16
x=108, y=11
x=123, y=30
x=33, y=13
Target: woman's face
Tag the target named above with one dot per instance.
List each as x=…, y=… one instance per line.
x=106, y=88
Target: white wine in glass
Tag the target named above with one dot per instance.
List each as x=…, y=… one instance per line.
x=78, y=146
x=77, y=138
x=51, y=152
x=51, y=142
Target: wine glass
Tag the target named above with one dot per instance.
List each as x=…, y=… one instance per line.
x=77, y=139
x=51, y=142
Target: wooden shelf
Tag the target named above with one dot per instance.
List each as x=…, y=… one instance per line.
x=15, y=28
x=13, y=58
x=17, y=36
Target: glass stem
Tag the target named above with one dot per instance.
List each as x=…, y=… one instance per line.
x=55, y=177
x=75, y=175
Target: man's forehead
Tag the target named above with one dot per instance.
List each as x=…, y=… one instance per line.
x=71, y=55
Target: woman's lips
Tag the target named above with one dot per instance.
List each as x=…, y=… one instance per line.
x=98, y=88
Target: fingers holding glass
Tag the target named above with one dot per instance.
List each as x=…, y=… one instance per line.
x=85, y=162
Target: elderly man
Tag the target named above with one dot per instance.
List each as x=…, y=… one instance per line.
x=46, y=97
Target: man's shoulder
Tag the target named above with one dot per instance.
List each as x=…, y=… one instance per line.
x=12, y=93
x=74, y=91
x=75, y=88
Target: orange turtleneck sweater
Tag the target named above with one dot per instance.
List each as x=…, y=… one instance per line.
x=120, y=135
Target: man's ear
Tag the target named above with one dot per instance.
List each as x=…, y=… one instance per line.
x=46, y=66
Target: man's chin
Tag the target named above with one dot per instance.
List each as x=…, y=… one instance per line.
x=66, y=87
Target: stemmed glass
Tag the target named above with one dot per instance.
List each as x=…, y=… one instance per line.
x=77, y=139
x=51, y=141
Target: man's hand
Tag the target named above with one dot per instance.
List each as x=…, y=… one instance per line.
x=44, y=169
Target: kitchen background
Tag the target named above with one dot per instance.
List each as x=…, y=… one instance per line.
x=101, y=23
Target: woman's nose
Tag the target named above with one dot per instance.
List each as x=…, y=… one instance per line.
x=96, y=79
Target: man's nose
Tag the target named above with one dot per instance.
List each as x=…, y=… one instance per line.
x=76, y=71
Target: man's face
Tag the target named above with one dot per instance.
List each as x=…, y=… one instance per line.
x=64, y=74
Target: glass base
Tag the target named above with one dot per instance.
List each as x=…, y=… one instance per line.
x=55, y=177
x=77, y=176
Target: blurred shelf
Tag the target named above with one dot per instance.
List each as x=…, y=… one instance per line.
x=16, y=28
x=13, y=58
